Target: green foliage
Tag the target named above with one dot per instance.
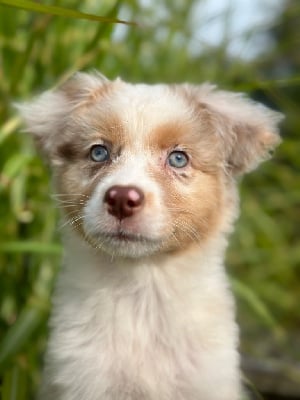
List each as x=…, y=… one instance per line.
x=38, y=51
x=62, y=12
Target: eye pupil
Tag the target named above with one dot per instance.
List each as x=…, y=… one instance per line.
x=178, y=159
x=99, y=153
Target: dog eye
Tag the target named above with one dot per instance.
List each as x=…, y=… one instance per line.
x=99, y=153
x=178, y=159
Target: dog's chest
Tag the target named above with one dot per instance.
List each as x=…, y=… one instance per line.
x=132, y=336
x=140, y=334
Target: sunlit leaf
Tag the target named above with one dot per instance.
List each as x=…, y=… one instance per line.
x=60, y=11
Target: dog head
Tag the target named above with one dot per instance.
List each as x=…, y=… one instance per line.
x=140, y=169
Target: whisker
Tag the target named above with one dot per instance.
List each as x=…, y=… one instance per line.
x=65, y=201
x=191, y=232
x=175, y=237
x=70, y=201
x=57, y=195
x=72, y=222
x=62, y=206
x=71, y=214
x=181, y=210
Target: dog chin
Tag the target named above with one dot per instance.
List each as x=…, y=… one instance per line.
x=127, y=245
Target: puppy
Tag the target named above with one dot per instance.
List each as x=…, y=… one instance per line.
x=146, y=180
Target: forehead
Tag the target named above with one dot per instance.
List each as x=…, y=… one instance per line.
x=138, y=113
x=148, y=105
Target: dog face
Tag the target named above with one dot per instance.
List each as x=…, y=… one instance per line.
x=143, y=169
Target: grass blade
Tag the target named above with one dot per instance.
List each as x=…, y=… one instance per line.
x=30, y=247
x=9, y=128
x=18, y=335
x=259, y=307
x=60, y=11
x=14, y=384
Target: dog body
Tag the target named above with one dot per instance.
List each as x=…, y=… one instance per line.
x=146, y=179
x=139, y=330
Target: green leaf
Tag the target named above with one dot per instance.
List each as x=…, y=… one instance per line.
x=60, y=11
x=251, y=297
x=9, y=128
x=14, y=384
x=30, y=247
x=18, y=335
x=15, y=164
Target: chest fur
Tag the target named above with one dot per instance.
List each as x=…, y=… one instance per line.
x=141, y=337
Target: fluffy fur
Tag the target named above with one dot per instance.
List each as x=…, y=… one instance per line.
x=142, y=308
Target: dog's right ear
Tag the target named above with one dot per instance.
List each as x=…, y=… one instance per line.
x=46, y=116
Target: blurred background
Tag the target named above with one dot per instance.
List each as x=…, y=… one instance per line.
x=251, y=46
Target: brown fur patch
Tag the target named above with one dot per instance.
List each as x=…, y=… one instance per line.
x=68, y=151
x=193, y=195
x=194, y=203
x=171, y=134
x=93, y=124
x=111, y=128
x=84, y=131
x=196, y=213
x=196, y=138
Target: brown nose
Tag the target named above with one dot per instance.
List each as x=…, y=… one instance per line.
x=123, y=201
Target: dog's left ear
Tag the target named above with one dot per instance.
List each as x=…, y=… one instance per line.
x=46, y=116
x=247, y=131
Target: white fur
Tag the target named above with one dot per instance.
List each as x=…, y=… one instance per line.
x=140, y=329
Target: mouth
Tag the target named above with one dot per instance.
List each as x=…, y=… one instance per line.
x=126, y=237
x=125, y=243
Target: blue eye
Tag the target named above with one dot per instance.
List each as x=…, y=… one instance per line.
x=178, y=159
x=99, y=153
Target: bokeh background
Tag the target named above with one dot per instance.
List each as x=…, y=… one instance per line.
x=250, y=46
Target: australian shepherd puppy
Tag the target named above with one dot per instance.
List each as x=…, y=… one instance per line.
x=146, y=180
